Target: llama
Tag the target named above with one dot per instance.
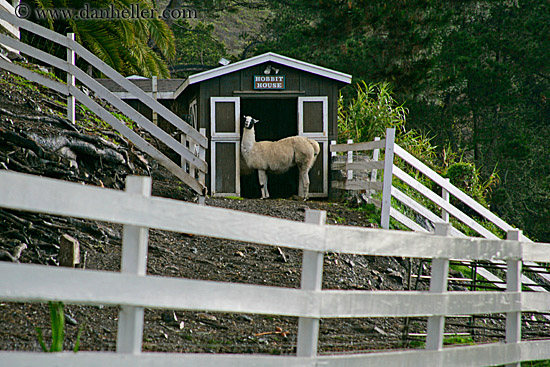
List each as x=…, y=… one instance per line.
x=278, y=156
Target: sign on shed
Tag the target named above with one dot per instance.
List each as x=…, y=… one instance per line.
x=269, y=82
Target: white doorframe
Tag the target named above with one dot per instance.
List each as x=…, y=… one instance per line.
x=317, y=135
x=225, y=137
x=320, y=137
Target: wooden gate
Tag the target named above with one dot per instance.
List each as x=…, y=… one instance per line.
x=225, y=146
x=313, y=124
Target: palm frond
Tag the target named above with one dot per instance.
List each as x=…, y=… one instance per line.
x=102, y=43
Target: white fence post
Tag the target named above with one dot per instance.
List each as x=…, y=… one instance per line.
x=333, y=154
x=350, y=160
x=388, y=175
x=312, y=278
x=438, y=284
x=445, y=196
x=154, y=94
x=71, y=60
x=513, y=284
x=201, y=174
x=134, y=261
x=375, y=157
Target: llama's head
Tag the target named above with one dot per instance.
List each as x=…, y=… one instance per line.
x=249, y=122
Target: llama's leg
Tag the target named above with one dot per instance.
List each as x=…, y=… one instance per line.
x=262, y=177
x=304, y=181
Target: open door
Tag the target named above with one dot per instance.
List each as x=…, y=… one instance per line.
x=313, y=124
x=225, y=146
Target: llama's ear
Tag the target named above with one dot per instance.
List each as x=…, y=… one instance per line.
x=256, y=121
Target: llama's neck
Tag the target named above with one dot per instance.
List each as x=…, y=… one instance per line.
x=248, y=140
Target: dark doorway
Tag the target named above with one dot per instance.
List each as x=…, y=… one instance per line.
x=278, y=119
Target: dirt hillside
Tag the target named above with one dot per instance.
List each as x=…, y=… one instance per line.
x=36, y=139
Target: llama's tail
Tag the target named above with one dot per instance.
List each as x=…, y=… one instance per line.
x=315, y=146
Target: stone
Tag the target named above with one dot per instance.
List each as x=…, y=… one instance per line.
x=69, y=251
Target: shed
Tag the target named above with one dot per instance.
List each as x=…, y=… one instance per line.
x=288, y=96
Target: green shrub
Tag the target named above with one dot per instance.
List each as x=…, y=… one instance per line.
x=369, y=114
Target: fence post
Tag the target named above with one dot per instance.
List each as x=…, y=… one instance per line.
x=513, y=284
x=388, y=175
x=375, y=157
x=312, y=277
x=333, y=154
x=445, y=196
x=438, y=284
x=134, y=261
x=202, y=175
x=71, y=60
x=350, y=160
x=154, y=94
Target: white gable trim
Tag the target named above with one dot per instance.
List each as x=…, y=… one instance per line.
x=268, y=57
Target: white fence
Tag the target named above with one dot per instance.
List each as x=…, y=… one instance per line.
x=391, y=149
x=192, y=158
x=133, y=290
x=354, y=181
x=10, y=28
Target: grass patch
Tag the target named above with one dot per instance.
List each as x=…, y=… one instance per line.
x=458, y=340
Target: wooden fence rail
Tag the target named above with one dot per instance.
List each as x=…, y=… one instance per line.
x=392, y=149
x=192, y=159
x=442, y=200
x=8, y=27
x=133, y=290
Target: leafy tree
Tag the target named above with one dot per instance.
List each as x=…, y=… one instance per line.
x=487, y=93
x=196, y=45
x=131, y=46
x=474, y=74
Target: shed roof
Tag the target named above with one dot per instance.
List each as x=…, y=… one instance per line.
x=166, y=88
x=268, y=57
x=172, y=88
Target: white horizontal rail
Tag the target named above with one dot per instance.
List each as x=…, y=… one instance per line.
x=451, y=209
x=445, y=205
x=37, y=194
x=453, y=190
x=472, y=356
x=139, y=93
x=422, y=210
x=108, y=117
x=41, y=79
x=358, y=165
x=18, y=284
x=4, y=5
x=94, y=359
x=87, y=287
x=406, y=221
x=109, y=72
x=370, y=145
x=105, y=94
x=357, y=185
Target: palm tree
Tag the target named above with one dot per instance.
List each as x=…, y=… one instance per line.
x=131, y=46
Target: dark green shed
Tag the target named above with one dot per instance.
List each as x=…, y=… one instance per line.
x=288, y=96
